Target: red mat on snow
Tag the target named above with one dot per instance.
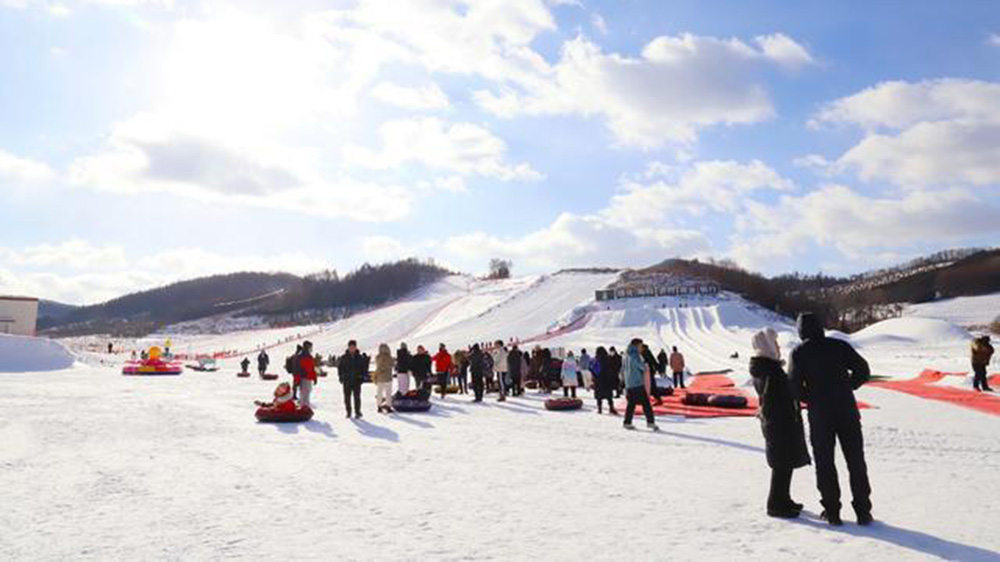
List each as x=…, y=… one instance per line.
x=924, y=386
x=712, y=384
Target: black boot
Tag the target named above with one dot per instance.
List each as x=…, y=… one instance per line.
x=832, y=517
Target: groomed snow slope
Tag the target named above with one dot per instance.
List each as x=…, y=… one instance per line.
x=964, y=311
x=22, y=354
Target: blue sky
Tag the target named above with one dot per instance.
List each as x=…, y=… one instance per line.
x=148, y=141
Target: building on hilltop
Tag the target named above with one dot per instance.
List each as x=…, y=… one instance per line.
x=634, y=284
x=18, y=315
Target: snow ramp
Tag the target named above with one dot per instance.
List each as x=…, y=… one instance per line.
x=22, y=354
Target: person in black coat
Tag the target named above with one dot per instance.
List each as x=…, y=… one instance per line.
x=514, y=360
x=420, y=366
x=477, y=368
x=616, y=369
x=824, y=373
x=780, y=421
x=605, y=380
x=654, y=367
x=351, y=370
x=662, y=360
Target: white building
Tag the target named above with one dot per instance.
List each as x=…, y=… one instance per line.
x=18, y=315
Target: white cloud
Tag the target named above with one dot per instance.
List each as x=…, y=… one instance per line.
x=676, y=87
x=942, y=131
x=461, y=148
x=80, y=272
x=18, y=170
x=993, y=40
x=598, y=23
x=857, y=224
x=581, y=241
x=429, y=96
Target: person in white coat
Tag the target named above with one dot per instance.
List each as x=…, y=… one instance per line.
x=570, y=375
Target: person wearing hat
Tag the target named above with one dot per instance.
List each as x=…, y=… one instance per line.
x=283, y=401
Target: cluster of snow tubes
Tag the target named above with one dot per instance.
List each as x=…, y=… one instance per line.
x=269, y=376
x=271, y=415
x=151, y=367
x=412, y=401
x=727, y=401
x=562, y=404
x=732, y=401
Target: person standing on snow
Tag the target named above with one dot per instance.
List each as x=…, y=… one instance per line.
x=570, y=375
x=477, y=367
x=824, y=372
x=780, y=421
x=637, y=385
x=662, y=362
x=584, y=363
x=982, y=352
x=677, y=367
x=245, y=365
x=500, y=367
x=514, y=361
x=442, y=368
x=650, y=359
x=616, y=369
x=460, y=365
x=420, y=366
x=605, y=380
x=351, y=371
x=403, y=361
x=306, y=373
x=262, y=362
x=382, y=377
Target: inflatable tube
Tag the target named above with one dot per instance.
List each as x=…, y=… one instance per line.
x=269, y=377
x=243, y=375
x=696, y=399
x=727, y=401
x=151, y=367
x=270, y=415
x=450, y=389
x=562, y=404
x=407, y=404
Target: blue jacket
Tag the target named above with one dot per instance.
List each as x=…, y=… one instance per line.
x=634, y=368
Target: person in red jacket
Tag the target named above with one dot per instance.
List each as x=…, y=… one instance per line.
x=442, y=366
x=305, y=373
x=283, y=401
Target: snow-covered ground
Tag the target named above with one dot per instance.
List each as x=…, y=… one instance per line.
x=964, y=311
x=100, y=466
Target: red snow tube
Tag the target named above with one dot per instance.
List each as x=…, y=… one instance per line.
x=727, y=401
x=561, y=404
x=269, y=377
x=696, y=399
x=270, y=415
x=243, y=375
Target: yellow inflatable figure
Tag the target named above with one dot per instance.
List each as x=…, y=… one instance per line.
x=154, y=353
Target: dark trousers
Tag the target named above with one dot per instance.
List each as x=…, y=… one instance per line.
x=420, y=380
x=463, y=382
x=636, y=397
x=569, y=391
x=443, y=383
x=611, y=405
x=352, y=389
x=678, y=379
x=824, y=434
x=780, y=495
x=515, y=381
x=979, y=381
x=477, y=386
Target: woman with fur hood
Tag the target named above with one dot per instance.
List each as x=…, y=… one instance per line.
x=781, y=422
x=382, y=377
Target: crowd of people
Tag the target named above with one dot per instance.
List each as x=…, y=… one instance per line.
x=822, y=372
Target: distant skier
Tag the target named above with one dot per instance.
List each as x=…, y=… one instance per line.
x=262, y=362
x=245, y=364
x=824, y=372
x=780, y=421
x=637, y=385
x=982, y=352
x=677, y=366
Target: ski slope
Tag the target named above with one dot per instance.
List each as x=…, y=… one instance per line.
x=964, y=311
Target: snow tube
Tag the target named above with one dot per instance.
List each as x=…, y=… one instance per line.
x=151, y=367
x=450, y=389
x=561, y=404
x=269, y=377
x=270, y=415
x=727, y=401
x=696, y=399
x=243, y=375
x=407, y=404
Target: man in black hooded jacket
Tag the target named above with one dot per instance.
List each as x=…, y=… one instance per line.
x=825, y=372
